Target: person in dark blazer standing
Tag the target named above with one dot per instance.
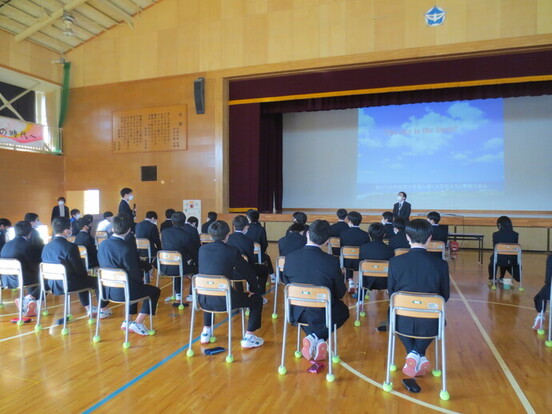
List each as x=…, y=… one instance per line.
x=117, y=253
x=376, y=249
x=61, y=210
x=399, y=241
x=61, y=251
x=147, y=229
x=293, y=240
x=313, y=266
x=218, y=258
x=353, y=236
x=418, y=271
x=402, y=208
x=124, y=206
x=257, y=233
x=211, y=218
x=505, y=234
x=18, y=248
x=167, y=223
x=84, y=238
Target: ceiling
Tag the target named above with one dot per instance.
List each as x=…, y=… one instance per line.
x=62, y=25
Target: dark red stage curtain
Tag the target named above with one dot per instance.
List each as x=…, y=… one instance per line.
x=270, y=168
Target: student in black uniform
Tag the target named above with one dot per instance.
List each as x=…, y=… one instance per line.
x=211, y=218
x=418, y=271
x=167, y=223
x=147, y=229
x=313, y=266
x=354, y=236
x=61, y=210
x=191, y=228
x=61, y=251
x=218, y=258
x=84, y=238
x=300, y=218
x=337, y=228
x=376, y=249
x=124, y=206
x=387, y=221
x=35, y=241
x=116, y=253
x=75, y=216
x=257, y=233
x=294, y=239
x=5, y=225
x=18, y=248
x=440, y=232
x=399, y=241
x=543, y=296
x=505, y=234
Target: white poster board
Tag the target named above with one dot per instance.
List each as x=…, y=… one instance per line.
x=192, y=208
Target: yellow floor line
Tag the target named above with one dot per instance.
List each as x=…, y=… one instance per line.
x=396, y=393
x=523, y=399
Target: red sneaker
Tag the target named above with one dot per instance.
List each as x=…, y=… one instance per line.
x=410, y=365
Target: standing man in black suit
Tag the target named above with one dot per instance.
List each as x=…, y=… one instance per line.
x=5, y=224
x=116, y=253
x=218, y=258
x=177, y=239
x=18, y=248
x=61, y=251
x=257, y=233
x=505, y=234
x=375, y=250
x=35, y=241
x=167, y=223
x=84, y=238
x=313, y=266
x=402, y=208
x=147, y=229
x=399, y=240
x=353, y=236
x=211, y=218
x=293, y=240
x=418, y=271
x=61, y=210
x=440, y=232
x=124, y=206
x=387, y=221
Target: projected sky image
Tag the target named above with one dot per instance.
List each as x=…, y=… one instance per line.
x=431, y=147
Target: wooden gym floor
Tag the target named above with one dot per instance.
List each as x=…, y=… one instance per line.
x=496, y=362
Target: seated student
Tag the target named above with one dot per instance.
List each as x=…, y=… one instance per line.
x=337, y=228
x=18, y=248
x=167, y=223
x=257, y=234
x=61, y=210
x=218, y=258
x=543, y=296
x=84, y=238
x=313, y=266
x=418, y=271
x=116, y=253
x=177, y=239
x=61, y=251
x=440, y=232
x=375, y=250
x=105, y=224
x=399, y=240
x=293, y=240
x=353, y=236
x=300, y=218
x=211, y=218
x=505, y=234
x=35, y=241
x=5, y=224
x=190, y=227
x=75, y=216
x=147, y=229
x=387, y=221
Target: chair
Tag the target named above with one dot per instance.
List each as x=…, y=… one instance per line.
x=437, y=246
x=298, y=294
x=144, y=244
x=102, y=234
x=118, y=278
x=280, y=262
x=11, y=267
x=217, y=286
x=417, y=305
x=507, y=249
x=84, y=256
x=370, y=268
x=205, y=238
x=56, y=271
x=333, y=243
x=348, y=252
x=548, y=342
x=100, y=239
x=257, y=250
x=171, y=258
x=401, y=250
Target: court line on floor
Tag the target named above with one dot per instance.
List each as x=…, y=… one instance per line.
x=507, y=372
x=396, y=393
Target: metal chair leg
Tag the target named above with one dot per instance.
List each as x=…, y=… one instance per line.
x=282, y=368
x=190, y=351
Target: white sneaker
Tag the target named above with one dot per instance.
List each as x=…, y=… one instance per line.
x=178, y=297
x=30, y=308
x=205, y=337
x=309, y=346
x=123, y=326
x=138, y=328
x=352, y=286
x=539, y=321
x=265, y=300
x=251, y=341
x=189, y=298
x=272, y=278
x=105, y=313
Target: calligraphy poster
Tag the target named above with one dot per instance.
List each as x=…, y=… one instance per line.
x=192, y=208
x=14, y=132
x=150, y=129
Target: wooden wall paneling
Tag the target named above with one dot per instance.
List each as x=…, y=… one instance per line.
x=360, y=26
x=222, y=173
x=211, y=44
x=332, y=29
x=483, y=20
x=188, y=57
x=416, y=32
x=167, y=58
x=544, y=19
x=389, y=27
x=255, y=42
x=233, y=35
x=279, y=5
x=454, y=30
x=305, y=33
x=518, y=18
x=256, y=7
x=232, y=9
x=280, y=36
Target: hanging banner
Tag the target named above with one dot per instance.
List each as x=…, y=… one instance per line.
x=14, y=132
